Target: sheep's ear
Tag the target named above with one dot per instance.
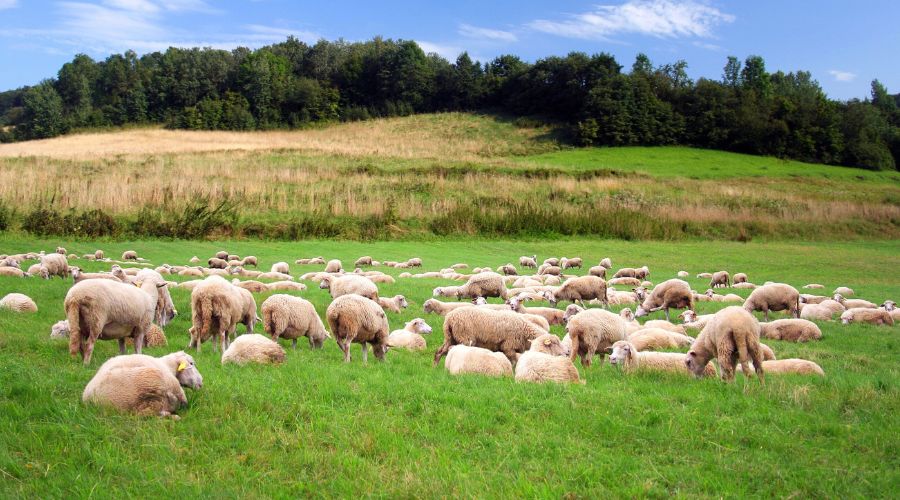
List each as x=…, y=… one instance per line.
x=160, y=285
x=692, y=353
x=609, y=350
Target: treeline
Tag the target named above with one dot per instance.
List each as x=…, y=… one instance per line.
x=292, y=84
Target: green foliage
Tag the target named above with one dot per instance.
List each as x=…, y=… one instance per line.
x=43, y=113
x=87, y=224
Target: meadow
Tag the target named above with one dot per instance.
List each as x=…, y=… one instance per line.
x=426, y=177
x=315, y=426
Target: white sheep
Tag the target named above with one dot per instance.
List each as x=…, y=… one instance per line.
x=354, y=318
x=410, y=337
x=285, y=316
x=467, y=359
x=18, y=302
x=253, y=348
x=627, y=356
x=546, y=361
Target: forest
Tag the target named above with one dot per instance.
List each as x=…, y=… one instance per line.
x=593, y=98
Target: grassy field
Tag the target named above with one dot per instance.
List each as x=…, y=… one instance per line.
x=431, y=176
x=317, y=427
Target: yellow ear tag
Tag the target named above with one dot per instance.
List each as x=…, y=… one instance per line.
x=183, y=366
x=547, y=341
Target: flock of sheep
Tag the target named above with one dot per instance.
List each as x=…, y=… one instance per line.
x=133, y=305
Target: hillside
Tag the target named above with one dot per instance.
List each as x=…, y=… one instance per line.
x=428, y=175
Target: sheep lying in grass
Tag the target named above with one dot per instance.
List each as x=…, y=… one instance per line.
x=823, y=311
x=410, y=337
x=285, y=316
x=545, y=361
x=144, y=385
x=791, y=366
x=505, y=331
x=528, y=261
x=393, y=304
x=653, y=339
x=18, y=302
x=626, y=355
x=598, y=271
x=334, y=266
x=253, y=348
x=854, y=303
x=746, y=285
x=843, y=290
x=466, y=359
x=791, y=330
x=78, y=276
x=891, y=307
x=814, y=286
x=18, y=273
x=693, y=321
x=286, y=285
x=774, y=297
x=251, y=285
x=682, y=274
x=353, y=318
x=281, y=267
x=553, y=316
x=866, y=315
x=739, y=278
x=437, y=307
x=731, y=336
x=216, y=263
x=571, y=263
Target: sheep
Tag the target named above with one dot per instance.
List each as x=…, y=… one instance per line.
x=18, y=302
x=98, y=255
x=467, y=359
x=410, y=337
x=854, y=303
x=823, y=311
x=222, y=254
x=60, y=329
x=693, y=321
x=731, y=336
x=487, y=284
x=190, y=271
x=682, y=274
x=252, y=286
x=791, y=366
x=350, y=284
x=531, y=262
x=286, y=285
x=281, y=267
x=216, y=308
x=591, y=331
x=234, y=257
x=806, y=298
x=579, y=289
x=10, y=262
x=673, y=293
x=78, y=276
x=606, y=262
x=626, y=355
x=628, y=272
x=194, y=260
x=866, y=315
x=248, y=311
x=354, y=318
x=504, y=331
x=891, y=307
x=442, y=308
x=624, y=281
x=189, y=285
x=363, y=261
x=546, y=361
x=291, y=318
x=56, y=264
x=720, y=279
x=249, y=260
x=814, y=286
x=508, y=270
x=704, y=275
x=275, y=276
x=746, y=285
x=414, y=262
x=129, y=255
x=393, y=304
x=553, y=316
x=570, y=263
x=18, y=273
x=217, y=263
x=774, y=297
x=253, y=348
x=547, y=269
x=843, y=291
x=791, y=330
x=165, y=307
x=739, y=278
x=155, y=337
x=598, y=271
x=651, y=339
x=334, y=266
x=144, y=385
x=61, y=251
x=551, y=261
x=107, y=310
x=730, y=297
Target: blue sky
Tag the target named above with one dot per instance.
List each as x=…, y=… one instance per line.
x=845, y=44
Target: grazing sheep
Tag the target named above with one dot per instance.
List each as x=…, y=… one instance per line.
x=217, y=263
x=553, y=316
x=232, y=256
x=546, y=361
x=18, y=302
x=253, y=348
x=508, y=270
x=653, y=339
x=393, y=304
x=570, y=263
x=410, y=337
x=363, y=261
x=606, y=262
x=682, y=274
x=353, y=318
x=334, y=266
x=854, y=303
x=866, y=315
x=670, y=294
x=291, y=318
x=144, y=385
x=774, y=297
x=814, y=285
x=108, y=310
x=731, y=336
x=528, y=261
x=548, y=270
x=720, y=279
x=165, y=307
x=466, y=359
x=60, y=329
x=640, y=273
x=486, y=284
x=626, y=355
x=740, y=278
x=99, y=255
x=281, y=267
x=56, y=264
x=598, y=271
x=248, y=312
x=792, y=366
x=579, y=289
x=350, y=284
x=129, y=255
x=216, y=308
x=791, y=330
x=222, y=254
x=592, y=331
x=843, y=291
x=504, y=331
x=551, y=261
x=249, y=260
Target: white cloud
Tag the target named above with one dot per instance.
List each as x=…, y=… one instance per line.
x=273, y=34
x=659, y=18
x=708, y=46
x=8, y=4
x=467, y=30
x=448, y=52
x=842, y=76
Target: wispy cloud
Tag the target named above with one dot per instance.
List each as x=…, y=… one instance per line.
x=658, y=18
x=276, y=34
x=8, y=4
x=842, y=76
x=448, y=52
x=469, y=31
x=708, y=46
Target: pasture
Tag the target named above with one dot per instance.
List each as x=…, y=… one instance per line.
x=315, y=426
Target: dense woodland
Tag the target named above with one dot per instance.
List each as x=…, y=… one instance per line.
x=602, y=103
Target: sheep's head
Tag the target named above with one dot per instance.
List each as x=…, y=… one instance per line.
x=549, y=296
x=513, y=302
x=846, y=317
x=838, y=298
x=479, y=301
x=75, y=271
x=640, y=292
x=626, y=314
x=621, y=352
x=695, y=363
x=418, y=325
x=688, y=316
x=45, y=273
x=571, y=310
x=325, y=284
x=186, y=371
x=60, y=330
x=889, y=305
x=709, y=293
x=401, y=301
x=548, y=344
x=429, y=305
x=640, y=312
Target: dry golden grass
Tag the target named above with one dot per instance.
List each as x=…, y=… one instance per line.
x=436, y=136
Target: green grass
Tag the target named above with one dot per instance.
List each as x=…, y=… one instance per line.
x=677, y=161
x=315, y=426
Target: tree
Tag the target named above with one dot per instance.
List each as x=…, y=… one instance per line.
x=43, y=112
x=754, y=76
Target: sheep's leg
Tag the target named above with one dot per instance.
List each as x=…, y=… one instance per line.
x=345, y=346
x=365, y=352
x=122, y=346
x=138, y=336
x=441, y=352
x=294, y=343
x=223, y=338
x=726, y=365
x=767, y=315
x=667, y=315
x=378, y=352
